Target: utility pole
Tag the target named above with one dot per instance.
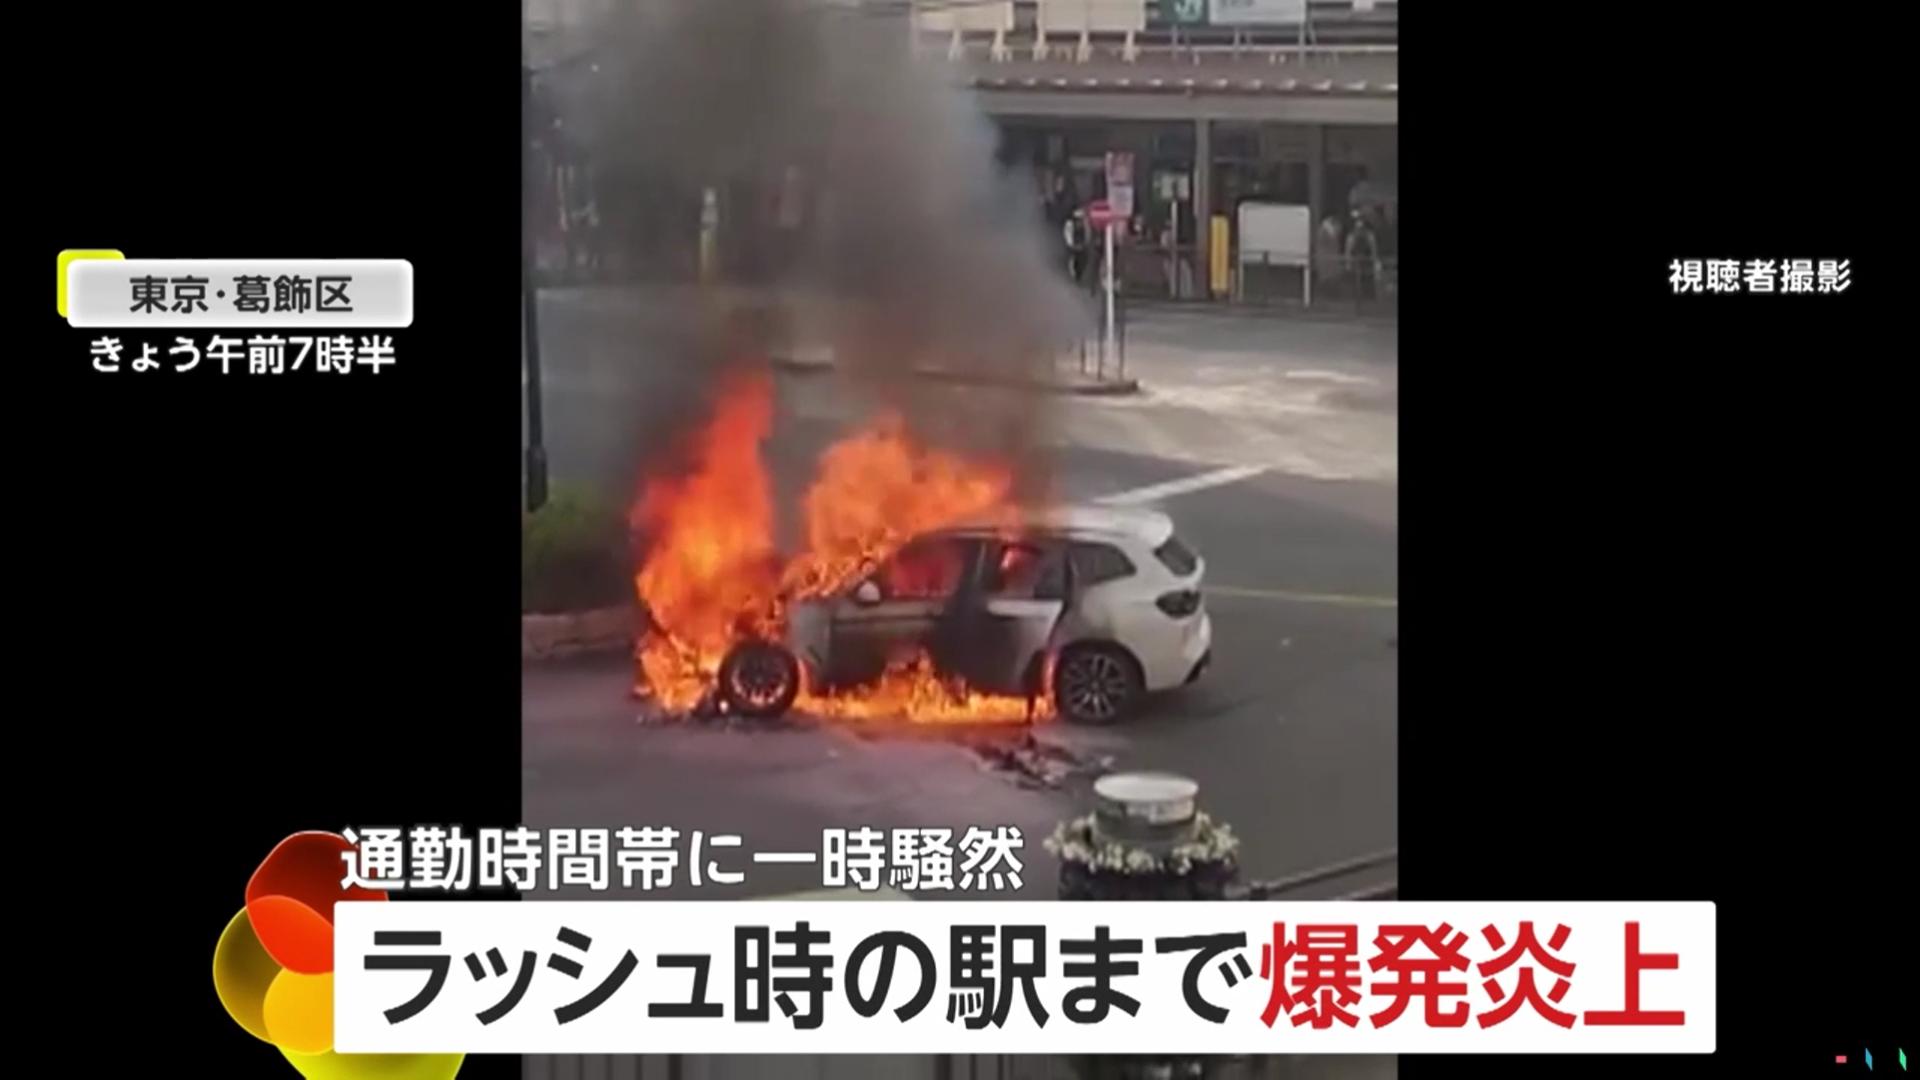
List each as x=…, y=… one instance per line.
x=536, y=464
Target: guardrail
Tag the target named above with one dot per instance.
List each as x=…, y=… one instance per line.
x=1268, y=890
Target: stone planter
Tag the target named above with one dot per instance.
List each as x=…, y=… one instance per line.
x=572, y=633
x=1145, y=840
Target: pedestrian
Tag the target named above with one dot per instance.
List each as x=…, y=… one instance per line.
x=1389, y=241
x=1363, y=256
x=587, y=225
x=1094, y=244
x=1059, y=201
x=1078, y=237
x=1328, y=259
x=1174, y=265
x=789, y=219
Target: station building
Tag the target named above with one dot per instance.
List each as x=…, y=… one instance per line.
x=1299, y=107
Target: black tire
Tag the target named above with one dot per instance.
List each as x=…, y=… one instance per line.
x=1097, y=684
x=759, y=680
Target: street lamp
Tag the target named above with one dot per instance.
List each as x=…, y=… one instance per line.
x=536, y=464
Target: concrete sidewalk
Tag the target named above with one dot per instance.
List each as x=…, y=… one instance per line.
x=803, y=316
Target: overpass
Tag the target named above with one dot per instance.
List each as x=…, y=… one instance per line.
x=1312, y=85
x=1340, y=64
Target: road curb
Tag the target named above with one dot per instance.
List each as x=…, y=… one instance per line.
x=1107, y=388
x=575, y=633
x=1278, y=312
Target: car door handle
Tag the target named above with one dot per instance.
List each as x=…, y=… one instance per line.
x=886, y=611
x=1023, y=609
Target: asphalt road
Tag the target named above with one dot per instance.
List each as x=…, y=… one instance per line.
x=1291, y=735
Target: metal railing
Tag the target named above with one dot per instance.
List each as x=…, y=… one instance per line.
x=1268, y=890
x=1093, y=359
x=1203, y=56
x=1339, y=281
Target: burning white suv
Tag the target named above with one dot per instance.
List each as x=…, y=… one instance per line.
x=1106, y=600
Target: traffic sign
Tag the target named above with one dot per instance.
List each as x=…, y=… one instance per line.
x=1120, y=183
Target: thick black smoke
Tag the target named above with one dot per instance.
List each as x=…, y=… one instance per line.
x=914, y=248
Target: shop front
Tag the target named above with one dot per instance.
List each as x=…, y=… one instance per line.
x=1184, y=239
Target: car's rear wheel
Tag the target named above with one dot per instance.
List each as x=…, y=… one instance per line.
x=1097, y=684
x=759, y=680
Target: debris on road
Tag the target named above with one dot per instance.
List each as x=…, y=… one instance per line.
x=1037, y=764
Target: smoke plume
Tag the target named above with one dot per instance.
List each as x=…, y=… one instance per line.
x=914, y=249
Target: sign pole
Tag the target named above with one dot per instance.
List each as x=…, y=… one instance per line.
x=1173, y=252
x=536, y=453
x=1119, y=208
x=1110, y=338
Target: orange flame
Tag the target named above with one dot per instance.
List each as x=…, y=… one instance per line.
x=912, y=690
x=711, y=575
x=876, y=490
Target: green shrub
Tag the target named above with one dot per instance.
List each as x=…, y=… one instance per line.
x=573, y=554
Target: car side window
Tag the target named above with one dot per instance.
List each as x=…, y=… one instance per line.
x=1095, y=563
x=925, y=570
x=1022, y=570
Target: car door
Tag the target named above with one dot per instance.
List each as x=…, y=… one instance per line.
x=899, y=607
x=1003, y=628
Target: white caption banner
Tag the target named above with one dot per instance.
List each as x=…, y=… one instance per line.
x=543, y=991
x=267, y=294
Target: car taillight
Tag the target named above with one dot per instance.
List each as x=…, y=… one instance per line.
x=1177, y=557
x=1179, y=604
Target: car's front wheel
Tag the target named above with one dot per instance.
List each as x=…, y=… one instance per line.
x=1097, y=684
x=759, y=680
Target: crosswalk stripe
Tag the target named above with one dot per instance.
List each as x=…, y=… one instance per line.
x=1216, y=478
x=1342, y=599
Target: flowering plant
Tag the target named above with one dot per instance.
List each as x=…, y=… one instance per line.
x=1074, y=841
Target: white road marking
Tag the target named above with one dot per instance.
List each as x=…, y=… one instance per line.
x=1218, y=477
x=1315, y=375
x=1339, y=599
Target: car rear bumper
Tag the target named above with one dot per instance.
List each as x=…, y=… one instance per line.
x=1200, y=667
x=1169, y=650
x=1196, y=649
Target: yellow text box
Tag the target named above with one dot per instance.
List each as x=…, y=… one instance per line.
x=67, y=258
